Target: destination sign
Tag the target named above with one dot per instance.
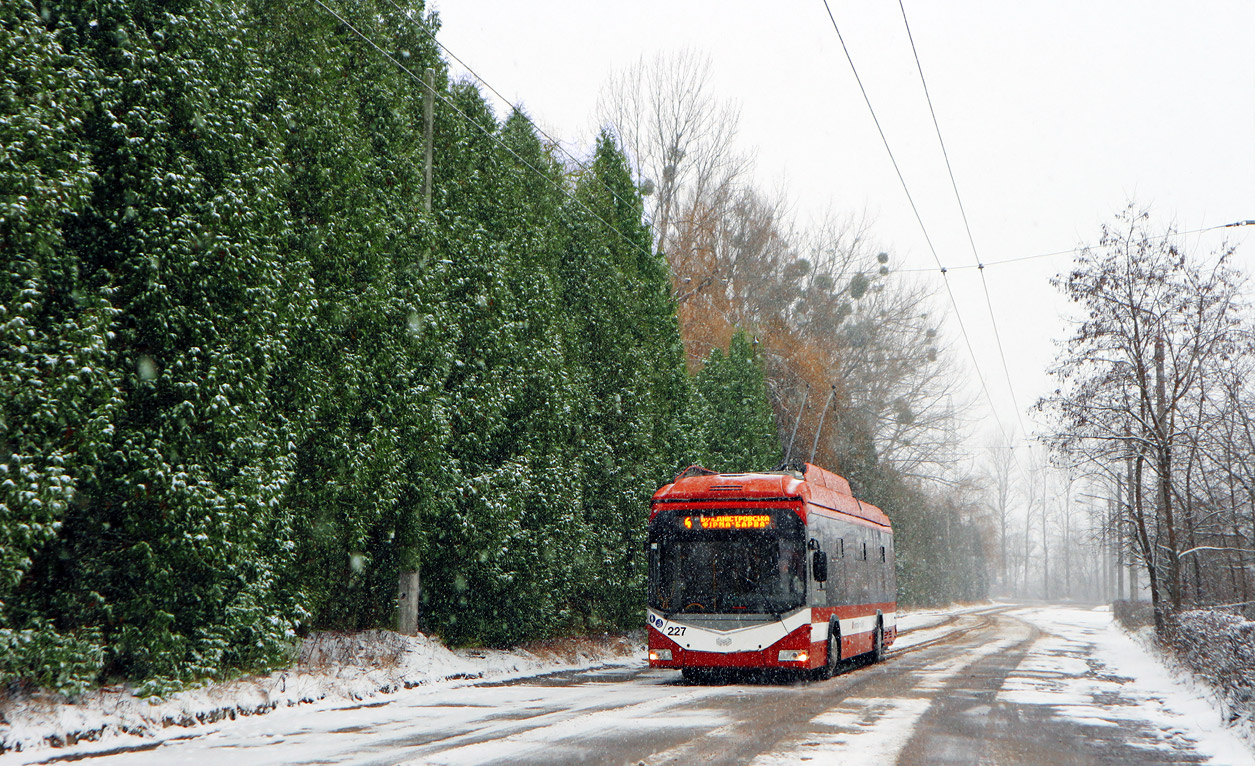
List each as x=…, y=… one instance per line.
x=734, y=521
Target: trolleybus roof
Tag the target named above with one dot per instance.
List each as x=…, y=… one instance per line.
x=815, y=486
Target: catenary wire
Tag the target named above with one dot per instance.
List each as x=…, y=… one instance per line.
x=1070, y=251
x=993, y=321
x=953, y=301
x=552, y=141
x=444, y=100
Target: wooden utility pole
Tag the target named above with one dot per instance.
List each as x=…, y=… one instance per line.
x=1045, y=542
x=429, y=105
x=1130, y=492
x=409, y=586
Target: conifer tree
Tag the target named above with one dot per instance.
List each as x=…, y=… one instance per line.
x=738, y=425
x=362, y=381
x=625, y=340
x=58, y=393
x=173, y=543
x=502, y=555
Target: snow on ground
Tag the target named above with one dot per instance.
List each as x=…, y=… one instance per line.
x=1089, y=670
x=874, y=730
x=470, y=723
x=334, y=671
x=1083, y=669
x=867, y=731
x=650, y=707
x=919, y=626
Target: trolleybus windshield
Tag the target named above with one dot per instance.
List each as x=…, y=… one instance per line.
x=732, y=561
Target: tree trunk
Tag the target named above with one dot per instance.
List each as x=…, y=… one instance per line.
x=1148, y=552
x=1163, y=467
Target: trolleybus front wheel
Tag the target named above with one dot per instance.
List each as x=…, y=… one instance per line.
x=705, y=676
x=834, y=651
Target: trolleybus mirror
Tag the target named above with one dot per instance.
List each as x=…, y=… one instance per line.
x=819, y=566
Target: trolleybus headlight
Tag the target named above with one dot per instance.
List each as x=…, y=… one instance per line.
x=660, y=654
x=793, y=655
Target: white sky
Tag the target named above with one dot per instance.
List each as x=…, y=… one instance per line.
x=1054, y=115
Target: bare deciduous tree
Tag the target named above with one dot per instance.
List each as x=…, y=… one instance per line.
x=1000, y=477
x=680, y=135
x=1137, y=382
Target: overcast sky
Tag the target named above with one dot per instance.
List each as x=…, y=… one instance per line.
x=1055, y=115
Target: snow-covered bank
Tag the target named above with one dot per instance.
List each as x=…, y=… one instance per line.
x=1085, y=661
x=334, y=670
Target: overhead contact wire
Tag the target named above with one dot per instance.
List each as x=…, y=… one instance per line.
x=957, y=314
x=444, y=100
x=993, y=321
x=552, y=141
x=1069, y=251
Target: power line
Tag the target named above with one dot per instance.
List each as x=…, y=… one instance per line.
x=552, y=141
x=957, y=314
x=1070, y=251
x=444, y=100
x=966, y=225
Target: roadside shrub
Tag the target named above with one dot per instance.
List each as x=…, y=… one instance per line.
x=1219, y=648
x=1133, y=614
x=40, y=656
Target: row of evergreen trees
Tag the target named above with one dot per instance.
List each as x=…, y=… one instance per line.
x=245, y=380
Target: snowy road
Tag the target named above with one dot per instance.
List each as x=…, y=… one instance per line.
x=1001, y=685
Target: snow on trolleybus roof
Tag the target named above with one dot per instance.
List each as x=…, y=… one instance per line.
x=811, y=484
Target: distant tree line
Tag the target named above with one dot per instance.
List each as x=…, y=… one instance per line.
x=245, y=379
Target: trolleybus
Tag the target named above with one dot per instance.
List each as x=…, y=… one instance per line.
x=781, y=569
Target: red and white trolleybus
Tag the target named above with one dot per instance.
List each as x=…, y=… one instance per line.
x=781, y=569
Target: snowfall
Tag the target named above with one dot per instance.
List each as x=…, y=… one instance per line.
x=1081, y=656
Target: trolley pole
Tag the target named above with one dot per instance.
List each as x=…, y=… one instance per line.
x=788, y=453
x=822, y=413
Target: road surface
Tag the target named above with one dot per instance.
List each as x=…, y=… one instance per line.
x=986, y=687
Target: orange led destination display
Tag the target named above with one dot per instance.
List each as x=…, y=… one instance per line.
x=736, y=521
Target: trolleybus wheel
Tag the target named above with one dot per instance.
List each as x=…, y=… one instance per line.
x=834, y=651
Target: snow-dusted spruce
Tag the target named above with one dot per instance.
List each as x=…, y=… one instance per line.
x=247, y=379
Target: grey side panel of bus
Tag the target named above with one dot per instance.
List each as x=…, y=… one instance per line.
x=853, y=578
